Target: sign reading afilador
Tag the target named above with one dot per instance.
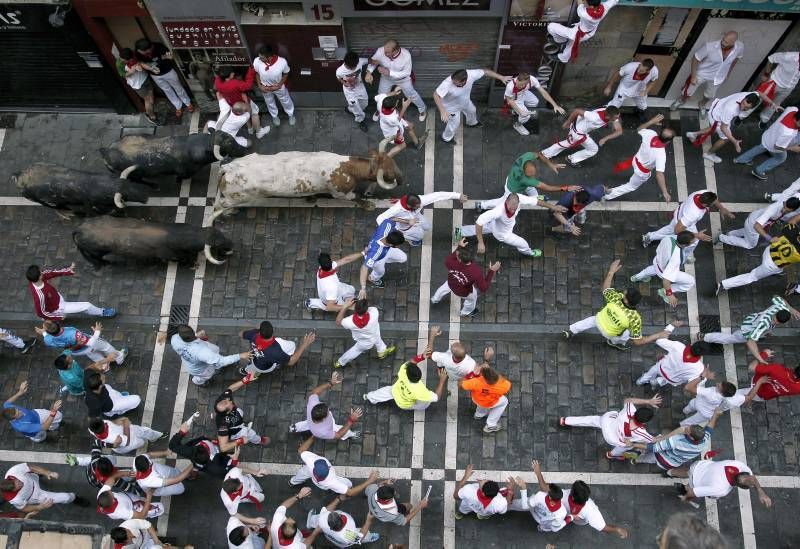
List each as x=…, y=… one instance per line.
x=202, y=34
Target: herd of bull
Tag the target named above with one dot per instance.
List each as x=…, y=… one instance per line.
x=246, y=180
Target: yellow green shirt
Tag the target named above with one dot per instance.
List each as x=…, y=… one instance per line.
x=615, y=317
x=784, y=250
x=406, y=393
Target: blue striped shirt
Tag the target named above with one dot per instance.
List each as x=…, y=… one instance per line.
x=679, y=449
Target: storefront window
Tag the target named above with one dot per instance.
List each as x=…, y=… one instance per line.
x=540, y=10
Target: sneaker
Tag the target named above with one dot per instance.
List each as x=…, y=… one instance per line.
x=276, y=121
x=250, y=130
x=71, y=460
x=762, y=124
x=81, y=501
x=535, y=252
x=522, y=130
x=263, y=131
x=488, y=429
x=720, y=288
x=307, y=303
x=475, y=125
x=571, y=162
x=364, y=398
x=378, y=283
x=356, y=435
x=457, y=515
x=612, y=457
x=423, y=115
x=122, y=354
x=662, y=293
x=190, y=107
x=414, y=243
x=631, y=455
x=152, y=119
x=242, y=371
x=375, y=116
x=712, y=158
x=363, y=126
x=264, y=441
x=618, y=346
x=750, y=163
x=457, y=233
x=567, y=334
x=641, y=381
x=451, y=142
x=292, y=120
x=109, y=312
x=29, y=344
x=370, y=537
x=646, y=241
x=676, y=104
x=470, y=315
x=292, y=428
x=700, y=336
x=63, y=390
x=124, y=393
x=562, y=422
x=767, y=197
x=757, y=175
x=703, y=111
x=389, y=350
x=691, y=136
x=643, y=279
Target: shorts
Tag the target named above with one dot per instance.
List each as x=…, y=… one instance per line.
x=146, y=90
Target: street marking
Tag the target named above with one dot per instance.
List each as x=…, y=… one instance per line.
x=2, y=137
x=449, y=538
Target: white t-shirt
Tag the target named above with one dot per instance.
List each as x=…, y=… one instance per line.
x=668, y=258
x=399, y=67
x=455, y=369
x=454, y=97
x=136, y=79
x=766, y=216
x=113, y=431
x=726, y=109
x=469, y=501
x=30, y=482
x=124, y=508
x=332, y=482
x=349, y=535
x=370, y=333
x=591, y=120
x=589, y=514
x=689, y=213
x=351, y=77
x=629, y=84
x=397, y=210
x=618, y=426
x=277, y=521
x=159, y=474
x=673, y=367
x=512, y=91
x=589, y=24
x=141, y=537
x=251, y=541
x=328, y=286
x=391, y=124
x=548, y=521
x=325, y=429
x=782, y=132
x=709, y=479
x=709, y=399
x=712, y=67
x=787, y=72
x=249, y=486
x=271, y=74
x=651, y=154
x=503, y=223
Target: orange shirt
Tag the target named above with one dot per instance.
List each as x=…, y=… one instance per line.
x=483, y=394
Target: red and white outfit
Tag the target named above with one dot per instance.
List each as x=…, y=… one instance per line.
x=330, y=288
x=413, y=223
x=157, y=476
x=677, y=367
x=473, y=501
x=457, y=370
x=500, y=223
x=549, y=515
x=456, y=101
x=785, y=76
x=782, y=382
x=689, y=213
x=747, y=237
x=31, y=493
x=589, y=18
x=353, y=88
x=667, y=265
x=400, y=74
x=125, y=504
x=713, y=68
x=249, y=492
x=632, y=85
x=51, y=305
x=579, y=135
x=278, y=540
x=139, y=435
x=271, y=72
x=616, y=427
x=393, y=126
x=366, y=332
x=524, y=98
x=715, y=479
x=586, y=514
x=723, y=111
x=651, y=156
x=252, y=541
x=707, y=400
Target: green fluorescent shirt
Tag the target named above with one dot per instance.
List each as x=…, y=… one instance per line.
x=517, y=181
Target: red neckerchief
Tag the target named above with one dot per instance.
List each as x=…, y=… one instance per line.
x=144, y=474
x=119, y=546
x=642, y=77
x=626, y=428
x=602, y=114
x=552, y=506
x=271, y=61
x=11, y=494
x=574, y=508
x=361, y=320
x=104, y=433
x=404, y=203
x=283, y=540
x=110, y=509
x=384, y=501
x=456, y=360
x=688, y=356
x=656, y=143
x=509, y=213
x=325, y=274
x=698, y=203
x=790, y=120
x=576, y=206
x=723, y=48
x=485, y=500
x=236, y=493
x=595, y=12
x=398, y=51
x=100, y=476
x=387, y=112
x=262, y=343
x=517, y=90
x=730, y=474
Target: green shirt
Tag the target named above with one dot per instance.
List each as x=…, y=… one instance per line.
x=615, y=317
x=406, y=393
x=517, y=181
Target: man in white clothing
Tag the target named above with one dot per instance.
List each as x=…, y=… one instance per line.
x=283, y=529
x=590, y=13
x=20, y=487
x=391, y=108
x=620, y=428
x=670, y=257
x=349, y=76
x=200, y=357
x=126, y=506
x=121, y=435
x=583, y=511
x=332, y=293
x=163, y=479
x=784, y=195
x=452, y=98
x=241, y=535
x=272, y=71
x=340, y=528
x=321, y=472
x=652, y=155
x=365, y=329
x=581, y=123
x=716, y=479
x=711, y=65
x=758, y=223
x=720, y=117
x=636, y=79
x=231, y=121
x=545, y=506
x=777, y=141
x=394, y=65
x=707, y=400
x=680, y=365
x=408, y=216
x=455, y=360
x=135, y=534
x=484, y=498
x=239, y=487
x=520, y=98
x=783, y=68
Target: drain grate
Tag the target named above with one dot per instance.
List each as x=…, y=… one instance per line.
x=710, y=323
x=178, y=314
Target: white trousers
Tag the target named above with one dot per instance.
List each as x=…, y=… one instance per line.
x=454, y=121
x=573, y=139
x=12, y=339
x=654, y=375
x=305, y=425
x=98, y=351
x=172, y=490
x=385, y=85
x=469, y=302
x=43, y=415
x=767, y=268
x=303, y=474
x=171, y=85
x=74, y=307
x=357, y=100
x=725, y=339
x=620, y=96
x=697, y=418
x=239, y=139
x=769, y=110
x=384, y=394
x=394, y=255
x=787, y=193
x=247, y=433
x=283, y=96
x=562, y=33
x=501, y=234
x=361, y=347
x=343, y=293
x=746, y=237
x=489, y=204
x=525, y=101
x=121, y=402
x=591, y=322
x=637, y=179
x=38, y=495
x=683, y=282
x=416, y=232
x=595, y=422
x=669, y=230
x=494, y=413
x=139, y=436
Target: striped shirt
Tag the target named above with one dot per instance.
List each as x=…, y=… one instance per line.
x=376, y=250
x=679, y=449
x=757, y=324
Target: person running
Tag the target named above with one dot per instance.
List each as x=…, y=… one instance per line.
x=581, y=122
x=340, y=528
x=590, y=13
x=409, y=391
x=332, y=293
x=383, y=248
x=488, y=391
x=157, y=60
x=202, y=452
x=545, y=506
x=365, y=329
x=778, y=379
x=235, y=106
x=35, y=423
x=283, y=529
x=163, y=479
x=409, y=218
x=231, y=428
x=465, y=278
x=723, y=396
x=783, y=68
x=575, y=204
x=716, y=479
x=269, y=353
x=102, y=399
x=49, y=304
x=320, y=471
x=385, y=508
x=102, y=470
x=777, y=141
x=77, y=343
x=520, y=98
x=240, y=486
x=456, y=360
x=20, y=487
x=319, y=419
x=126, y=506
x=120, y=435
x=667, y=263
x=680, y=365
x=583, y=511
x=135, y=533
x=484, y=498
x=720, y=119
x=758, y=224
x=349, y=74
x=199, y=357
x=72, y=375
x=452, y=98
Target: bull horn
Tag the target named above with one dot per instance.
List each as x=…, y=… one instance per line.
x=118, y=202
x=382, y=145
x=127, y=171
x=209, y=257
x=218, y=154
x=382, y=182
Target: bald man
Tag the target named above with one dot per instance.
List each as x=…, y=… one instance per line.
x=394, y=65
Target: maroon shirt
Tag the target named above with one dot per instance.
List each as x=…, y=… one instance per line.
x=461, y=277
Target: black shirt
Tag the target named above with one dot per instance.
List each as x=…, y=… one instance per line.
x=228, y=423
x=218, y=466
x=98, y=404
x=157, y=59
x=268, y=355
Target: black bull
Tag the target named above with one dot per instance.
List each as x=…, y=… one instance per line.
x=148, y=240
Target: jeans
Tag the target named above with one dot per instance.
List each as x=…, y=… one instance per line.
x=775, y=159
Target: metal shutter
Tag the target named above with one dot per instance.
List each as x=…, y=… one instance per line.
x=438, y=46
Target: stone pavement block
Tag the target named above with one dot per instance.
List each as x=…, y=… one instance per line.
x=771, y=530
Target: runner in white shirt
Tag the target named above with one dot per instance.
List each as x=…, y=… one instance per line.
x=272, y=71
x=757, y=224
x=582, y=510
x=636, y=79
x=545, y=506
x=244, y=536
x=332, y=293
x=711, y=65
x=20, y=487
x=283, y=529
x=135, y=534
x=452, y=98
x=321, y=472
x=680, y=365
x=580, y=123
x=408, y=215
x=652, y=155
x=124, y=506
x=781, y=137
x=708, y=399
x=622, y=427
x=519, y=97
x=720, y=116
x=484, y=498
x=241, y=487
x=340, y=528
x=349, y=76
x=394, y=65
x=455, y=360
x=391, y=108
x=231, y=121
x=165, y=480
x=365, y=330
x=783, y=68
x=590, y=13
x=716, y=479
x=670, y=256
x=121, y=435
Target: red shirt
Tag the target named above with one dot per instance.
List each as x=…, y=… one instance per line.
x=461, y=277
x=232, y=90
x=782, y=381
x=46, y=299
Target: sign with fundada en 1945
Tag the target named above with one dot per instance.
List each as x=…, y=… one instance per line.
x=420, y=5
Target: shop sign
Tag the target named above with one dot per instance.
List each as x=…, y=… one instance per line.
x=418, y=5
x=202, y=34
x=791, y=6
x=238, y=57
x=24, y=18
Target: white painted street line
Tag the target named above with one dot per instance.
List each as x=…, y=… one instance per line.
x=2, y=138
x=449, y=507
